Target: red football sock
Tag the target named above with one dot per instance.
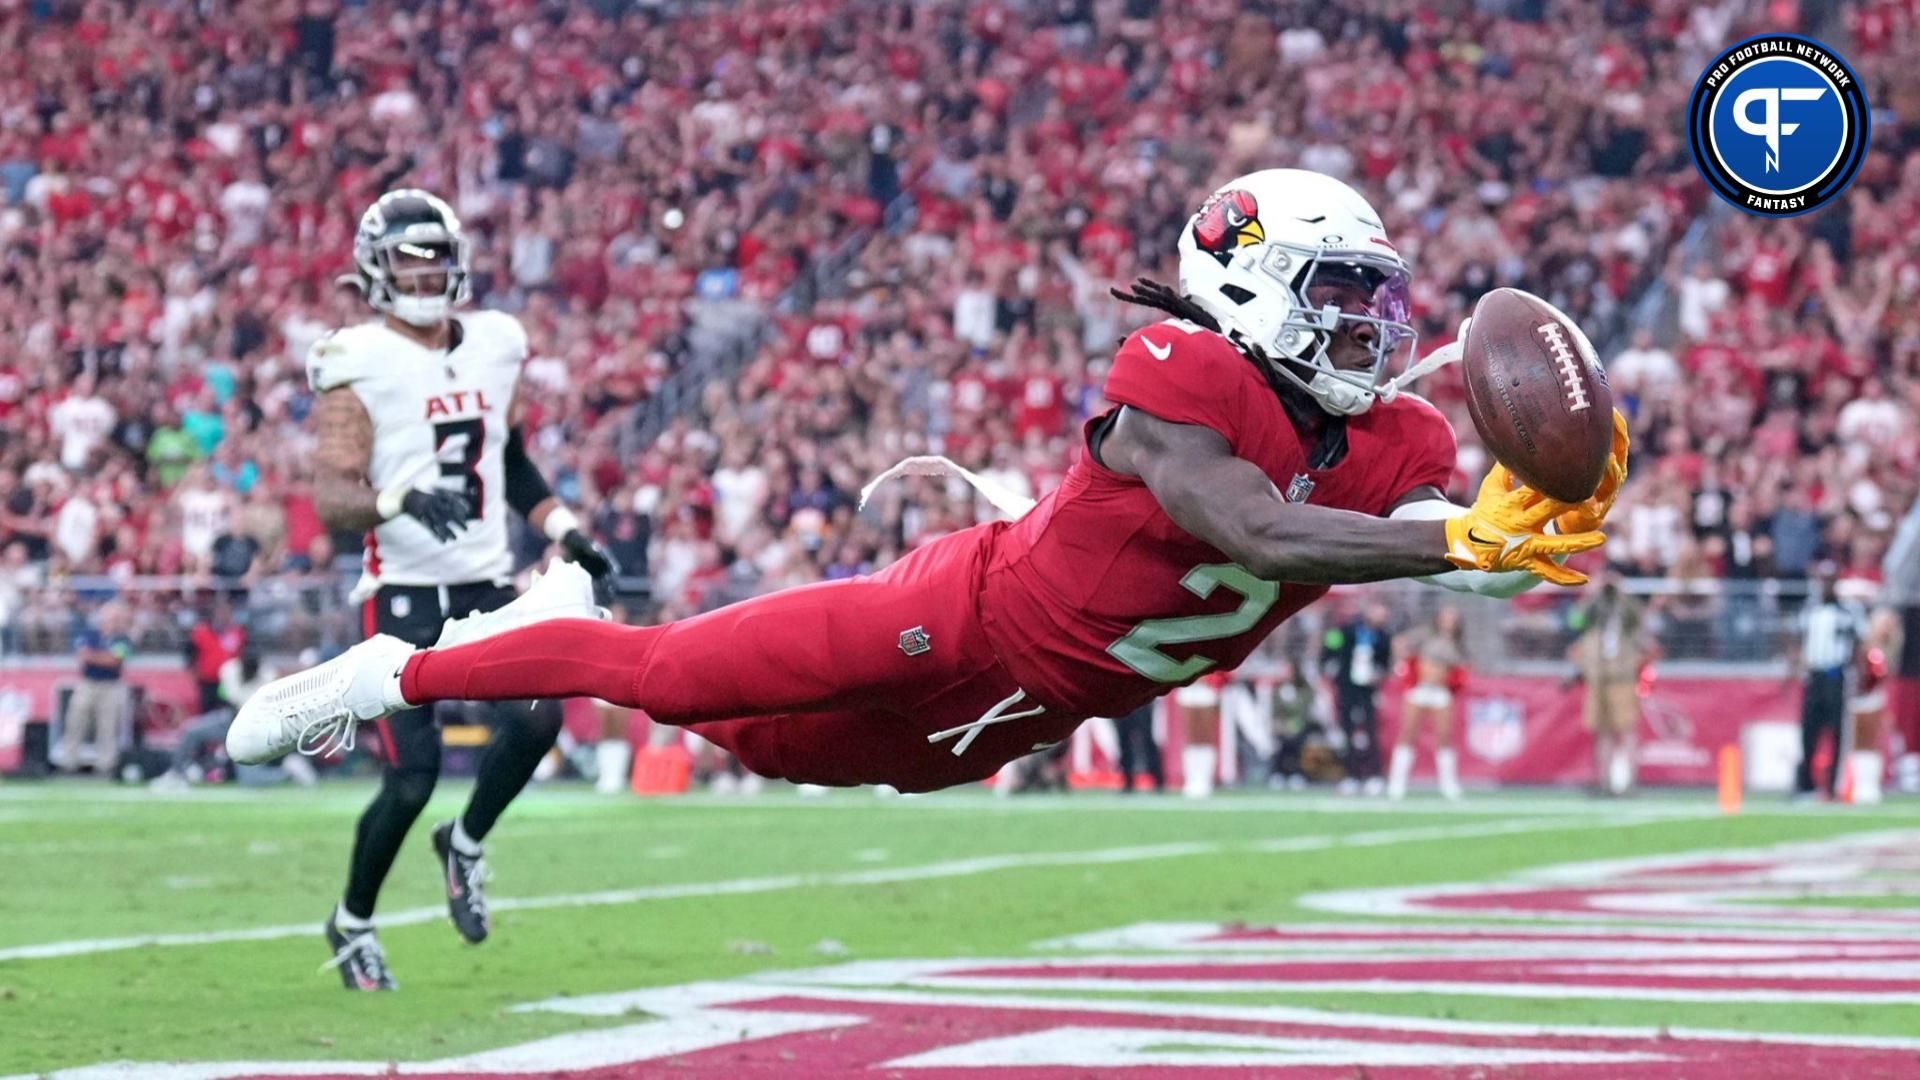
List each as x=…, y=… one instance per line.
x=563, y=658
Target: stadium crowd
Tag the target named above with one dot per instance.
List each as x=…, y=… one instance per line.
x=179, y=184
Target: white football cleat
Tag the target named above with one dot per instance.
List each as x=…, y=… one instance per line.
x=316, y=710
x=565, y=591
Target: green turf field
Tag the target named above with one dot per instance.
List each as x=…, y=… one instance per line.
x=143, y=928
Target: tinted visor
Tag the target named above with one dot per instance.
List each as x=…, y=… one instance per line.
x=419, y=267
x=1343, y=292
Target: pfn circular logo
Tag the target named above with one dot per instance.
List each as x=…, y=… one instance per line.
x=1778, y=125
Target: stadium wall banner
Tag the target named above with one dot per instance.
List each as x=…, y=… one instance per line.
x=1510, y=729
x=1529, y=730
x=27, y=693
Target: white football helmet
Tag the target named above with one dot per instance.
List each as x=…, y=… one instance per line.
x=1264, y=254
x=424, y=231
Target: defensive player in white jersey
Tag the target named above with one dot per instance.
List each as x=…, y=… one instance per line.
x=419, y=447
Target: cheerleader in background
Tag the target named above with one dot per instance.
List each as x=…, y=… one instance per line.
x=1438, y=659
x=1867, y=710
x=1199, y=708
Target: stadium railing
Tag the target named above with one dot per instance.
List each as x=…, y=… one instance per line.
x=1709, y=625
x=1730, y=626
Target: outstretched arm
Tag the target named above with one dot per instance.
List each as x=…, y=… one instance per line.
x=1228, y=502
x=1428, y=504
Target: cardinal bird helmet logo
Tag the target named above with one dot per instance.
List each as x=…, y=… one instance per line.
x=1228, y=220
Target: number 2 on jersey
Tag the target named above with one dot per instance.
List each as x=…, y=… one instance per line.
x=1140, y=648
x=464, y=467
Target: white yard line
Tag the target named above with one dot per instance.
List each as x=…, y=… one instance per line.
x=337, y=837
x=927, y=871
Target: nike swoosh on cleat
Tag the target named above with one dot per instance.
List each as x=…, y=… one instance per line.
x=1159, y=351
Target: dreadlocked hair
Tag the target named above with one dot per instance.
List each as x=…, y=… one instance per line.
x=1150, y=293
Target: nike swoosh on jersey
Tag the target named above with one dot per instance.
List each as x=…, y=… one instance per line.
x=1159, y=351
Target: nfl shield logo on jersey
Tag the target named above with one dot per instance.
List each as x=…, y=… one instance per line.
x=915, y=641
x=1300, y=488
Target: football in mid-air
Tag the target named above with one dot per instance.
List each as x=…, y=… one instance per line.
x=1537, y=394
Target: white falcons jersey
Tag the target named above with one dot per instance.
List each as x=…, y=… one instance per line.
x=439, y=420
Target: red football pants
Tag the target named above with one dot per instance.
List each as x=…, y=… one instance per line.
x=885, y=679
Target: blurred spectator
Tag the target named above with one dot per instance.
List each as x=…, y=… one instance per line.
x=205, y=511
x=1296, y=731
x=170, y=450
x=19, y=579
x=97, y=710
x=1139, y=750
x=1357, y=657
x=240, y=677
x=1645, y=370
x=214, y=641
x=1610, y=655
x=1702, y=296
x=81, y=421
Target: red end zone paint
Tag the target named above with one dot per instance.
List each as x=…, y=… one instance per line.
x=878, y=1034
x=1671, y=972
x=1760, y=888
x=911, y=1019
x=1309, y=936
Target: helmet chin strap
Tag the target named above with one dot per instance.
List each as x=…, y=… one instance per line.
x=1337, y=398
x=1450, y=353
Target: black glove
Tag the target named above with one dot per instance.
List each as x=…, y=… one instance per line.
x=444, y=513
x=581, y=550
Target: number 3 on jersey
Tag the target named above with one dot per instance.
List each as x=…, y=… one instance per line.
x=460, y=462
x=1140, y=648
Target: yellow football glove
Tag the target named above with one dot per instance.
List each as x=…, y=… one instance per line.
x=1592, y=514
x=1504, y=530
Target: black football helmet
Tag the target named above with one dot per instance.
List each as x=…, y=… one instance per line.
x=412, y=236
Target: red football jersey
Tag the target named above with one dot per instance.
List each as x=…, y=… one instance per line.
x=1097, y=602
